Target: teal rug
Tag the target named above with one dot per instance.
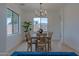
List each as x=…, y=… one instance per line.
x=44, y=54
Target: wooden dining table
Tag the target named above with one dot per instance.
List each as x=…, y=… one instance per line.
x=34, y=36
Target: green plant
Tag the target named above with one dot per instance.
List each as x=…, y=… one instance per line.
x=27, y=25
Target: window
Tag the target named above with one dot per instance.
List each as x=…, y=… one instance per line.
x=40, y=23
x=12, y=22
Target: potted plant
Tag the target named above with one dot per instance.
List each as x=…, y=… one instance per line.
x=27, y=26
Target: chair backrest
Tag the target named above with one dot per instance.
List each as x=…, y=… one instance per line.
x=44, y=34
x=41, y=38
x=50, y=34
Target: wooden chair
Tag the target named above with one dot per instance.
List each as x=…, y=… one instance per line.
x=50, y=37
x=41, y=43
x=29, y=42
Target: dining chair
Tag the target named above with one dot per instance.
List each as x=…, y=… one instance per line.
x=41, y=43
x=29, y=42
x=50, y=37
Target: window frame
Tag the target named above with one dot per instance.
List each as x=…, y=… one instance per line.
x=13, y=23
x=40, y=22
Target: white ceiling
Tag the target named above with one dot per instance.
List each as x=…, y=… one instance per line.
x=36, y=6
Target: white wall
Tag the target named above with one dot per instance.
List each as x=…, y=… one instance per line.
x=2, y=28
x=15, y=39
x=26, y=16
x=53, y=22
x=8, y=42
x=71, y=25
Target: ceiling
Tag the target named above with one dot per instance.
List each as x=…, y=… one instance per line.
x=36, y=6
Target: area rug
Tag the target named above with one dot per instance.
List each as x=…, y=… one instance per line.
x=44, y=54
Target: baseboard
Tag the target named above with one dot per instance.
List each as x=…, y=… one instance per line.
x=14, y=48
x=70, y=47
x=17, y=45
x=3, y=54
x=8, y=53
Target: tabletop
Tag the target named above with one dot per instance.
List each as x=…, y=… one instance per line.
x=34, y=35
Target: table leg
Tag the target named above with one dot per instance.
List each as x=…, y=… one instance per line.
x=48, y=45
x=36, y=47
x=31, y=48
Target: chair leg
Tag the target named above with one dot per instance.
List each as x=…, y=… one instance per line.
x=45, y=48
x=31, y=48
x=50, y=46
x=27, y=49
x=36, y=47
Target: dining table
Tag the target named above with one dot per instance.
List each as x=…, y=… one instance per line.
x=34, y=37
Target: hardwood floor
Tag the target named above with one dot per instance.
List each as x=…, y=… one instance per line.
x=56, y=47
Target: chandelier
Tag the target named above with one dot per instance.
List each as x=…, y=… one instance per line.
x=42, y=11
